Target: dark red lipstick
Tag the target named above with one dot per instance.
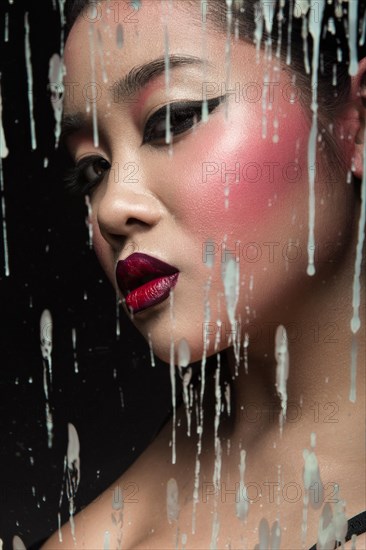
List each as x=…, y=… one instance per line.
x=145, y=281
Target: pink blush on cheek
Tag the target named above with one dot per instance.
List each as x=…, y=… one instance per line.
x=261, y=176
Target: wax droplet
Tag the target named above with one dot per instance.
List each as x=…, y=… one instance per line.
x=172, y=503
x=18, y=544
x=55, y=76
x=30, y=81
x=263, y=534
x=117, y=500
x=352, y=36
x=282, y=369
x=4, y=151
x=184, y=353
x=152, y=359
x=242, y=500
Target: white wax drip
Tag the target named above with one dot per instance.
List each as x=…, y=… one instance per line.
x=304, y=34
x=6, y=29
x=218, y=401
x=356, y=287
x=199, y=407
x=118, y=326
x=4, y=224
x=230, y=274
x=184, y=356
x=172, y=381
x=4, y=151
x=55, y=76
x=227, y=395
x=282, y=369
x=229, y=17
x=172, y=376
x=258, y=33
x=263, y=534
x=314, y=30
x=245, y=349
x=268, y=9
x=326, y=530
x=269, y=540
x=196, y=485
x=172, y=500
x=363, y=35
x=200, y=418
x=352, y=36
x=18, y=544
x=88, y=221
x=356, y=294
x=216, y=482
x=312, y=479
x=28, y=63
x=289, y=33
x=46, y=326
x=242, y=500
x=117, y=514
x=93, y=80
x=204, y=113
x=73, y=472
x=354, y=353
x=73, y=335
x=276, y=536
x=152, y=359
x=61, y=4
x=168, y=135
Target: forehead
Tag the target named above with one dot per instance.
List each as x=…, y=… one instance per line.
x=126, y=34
x=110, y=38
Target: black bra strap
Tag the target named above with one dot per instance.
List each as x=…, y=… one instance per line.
x=356, y=526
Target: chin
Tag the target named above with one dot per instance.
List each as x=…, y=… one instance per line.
x=160, y=334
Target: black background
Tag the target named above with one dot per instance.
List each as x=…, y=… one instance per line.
x=117, y=401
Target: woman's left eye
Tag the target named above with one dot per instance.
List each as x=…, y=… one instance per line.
x=86, y=175
x=183, y=116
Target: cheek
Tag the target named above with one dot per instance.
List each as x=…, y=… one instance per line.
x=241, y=184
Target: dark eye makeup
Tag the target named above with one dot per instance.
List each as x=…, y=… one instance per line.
x=183, y=116
x=83, y=178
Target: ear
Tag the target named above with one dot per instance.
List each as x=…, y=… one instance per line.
x=353, y=120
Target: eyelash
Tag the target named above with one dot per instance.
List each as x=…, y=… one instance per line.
x=76, y=181
x=184, y=110
x=187, y=113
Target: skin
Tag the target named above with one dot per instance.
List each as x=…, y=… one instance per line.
x=170, y=204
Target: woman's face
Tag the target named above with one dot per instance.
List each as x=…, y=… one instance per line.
x=174, y=203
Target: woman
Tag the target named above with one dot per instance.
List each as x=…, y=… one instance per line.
x=230, y=227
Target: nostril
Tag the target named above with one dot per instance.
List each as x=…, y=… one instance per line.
x=135, y=221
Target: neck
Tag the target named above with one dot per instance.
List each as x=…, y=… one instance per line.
x=318, y=390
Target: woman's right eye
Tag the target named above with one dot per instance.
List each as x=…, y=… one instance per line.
x=86, y=175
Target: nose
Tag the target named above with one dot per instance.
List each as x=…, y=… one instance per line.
x=125, y=210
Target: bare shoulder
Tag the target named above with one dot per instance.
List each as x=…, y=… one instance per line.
x=102, y=523
x=88, y=529
x=123, y=512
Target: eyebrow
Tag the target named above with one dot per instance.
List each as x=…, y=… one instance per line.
x=130, y=85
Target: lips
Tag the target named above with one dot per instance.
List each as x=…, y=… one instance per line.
x=145, y=281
